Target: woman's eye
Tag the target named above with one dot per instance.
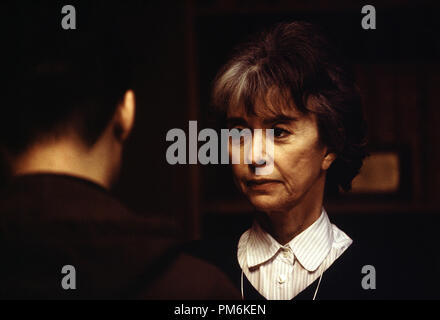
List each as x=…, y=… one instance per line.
x=280, y=132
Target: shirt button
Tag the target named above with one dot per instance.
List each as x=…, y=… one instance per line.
x=282, y=278
x=287, y=253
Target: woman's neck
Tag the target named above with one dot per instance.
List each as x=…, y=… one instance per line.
x=284, y=225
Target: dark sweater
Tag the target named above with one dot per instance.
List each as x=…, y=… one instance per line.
x=400, y=274
x=49, y=221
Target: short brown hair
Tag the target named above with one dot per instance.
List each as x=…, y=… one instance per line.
x=298, y=59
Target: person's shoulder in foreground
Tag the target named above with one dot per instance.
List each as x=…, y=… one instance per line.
x=51, y=221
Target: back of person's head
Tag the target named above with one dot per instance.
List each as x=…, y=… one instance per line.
x=61, y=80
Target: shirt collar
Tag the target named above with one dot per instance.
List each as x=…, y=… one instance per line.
x=313, y=244
x=310, y=247
x=261, y=246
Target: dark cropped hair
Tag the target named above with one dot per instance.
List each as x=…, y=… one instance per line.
x=58, y=79
x=297, y=60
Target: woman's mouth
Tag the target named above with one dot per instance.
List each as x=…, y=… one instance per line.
x=261, y=184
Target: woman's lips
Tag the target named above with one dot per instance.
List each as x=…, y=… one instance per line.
x=261, y=184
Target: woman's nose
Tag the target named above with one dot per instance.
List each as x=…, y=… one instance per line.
x=260, y=156
x=255, y=154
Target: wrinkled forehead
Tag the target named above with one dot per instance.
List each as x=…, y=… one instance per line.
x=274, y=103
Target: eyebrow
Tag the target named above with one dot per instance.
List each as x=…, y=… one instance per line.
x=280, y=119
x=235, y=121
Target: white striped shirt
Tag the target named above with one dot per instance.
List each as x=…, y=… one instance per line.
x=281, y=272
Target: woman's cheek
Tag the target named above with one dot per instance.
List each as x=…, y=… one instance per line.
x=238, y=174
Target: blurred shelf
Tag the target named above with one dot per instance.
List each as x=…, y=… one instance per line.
x=349, y=207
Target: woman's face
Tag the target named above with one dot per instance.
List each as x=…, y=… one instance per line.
x=299, y=159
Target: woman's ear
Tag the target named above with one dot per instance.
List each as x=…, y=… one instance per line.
x=328, y=160
x=125, y=115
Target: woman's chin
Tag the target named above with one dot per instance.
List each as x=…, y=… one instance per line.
x=265, y=202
